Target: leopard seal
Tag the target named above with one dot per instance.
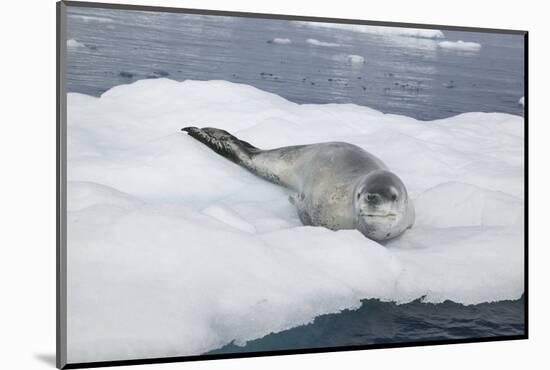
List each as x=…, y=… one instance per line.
x=336, y=185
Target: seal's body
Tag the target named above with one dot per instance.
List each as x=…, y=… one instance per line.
x=337, y=185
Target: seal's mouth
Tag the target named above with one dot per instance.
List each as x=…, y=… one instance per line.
x=388, y=215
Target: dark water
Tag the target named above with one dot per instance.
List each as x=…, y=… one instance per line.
x=402, y=75
x=382, y=323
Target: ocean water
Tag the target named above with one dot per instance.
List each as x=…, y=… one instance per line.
x=377, y=322
x=400, y=75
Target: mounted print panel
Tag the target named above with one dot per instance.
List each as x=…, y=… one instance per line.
x=236, y=184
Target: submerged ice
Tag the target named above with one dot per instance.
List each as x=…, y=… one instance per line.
x=173, y=250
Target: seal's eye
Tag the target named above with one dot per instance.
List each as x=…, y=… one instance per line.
x=392, y=194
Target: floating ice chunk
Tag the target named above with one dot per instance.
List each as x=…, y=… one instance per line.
x=322, y=43
x=460, y=45
x=356, y=59
x=281, y=41
x=522, y=101
x=380, y=30
x=73, y=44
x=88, y=18
x=210, y=253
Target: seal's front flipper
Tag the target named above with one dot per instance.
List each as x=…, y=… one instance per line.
x=267, y=164
x=298, y=201
x=223, y=143
x=226, y=136
x=292, y=199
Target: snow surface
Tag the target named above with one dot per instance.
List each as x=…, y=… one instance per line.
x=460, y=45
x=174, y=250
x=380, y=30
x=72, y=43
x=322, y=43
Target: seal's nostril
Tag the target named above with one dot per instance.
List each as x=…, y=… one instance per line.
x=372, y=198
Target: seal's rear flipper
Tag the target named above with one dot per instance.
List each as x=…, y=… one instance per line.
x=223, y=143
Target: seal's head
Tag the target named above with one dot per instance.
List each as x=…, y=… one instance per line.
x=382, y=207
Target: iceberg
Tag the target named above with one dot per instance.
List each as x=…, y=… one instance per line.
x=172, y=250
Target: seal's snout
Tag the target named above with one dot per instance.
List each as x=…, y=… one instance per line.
x=373, y=198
